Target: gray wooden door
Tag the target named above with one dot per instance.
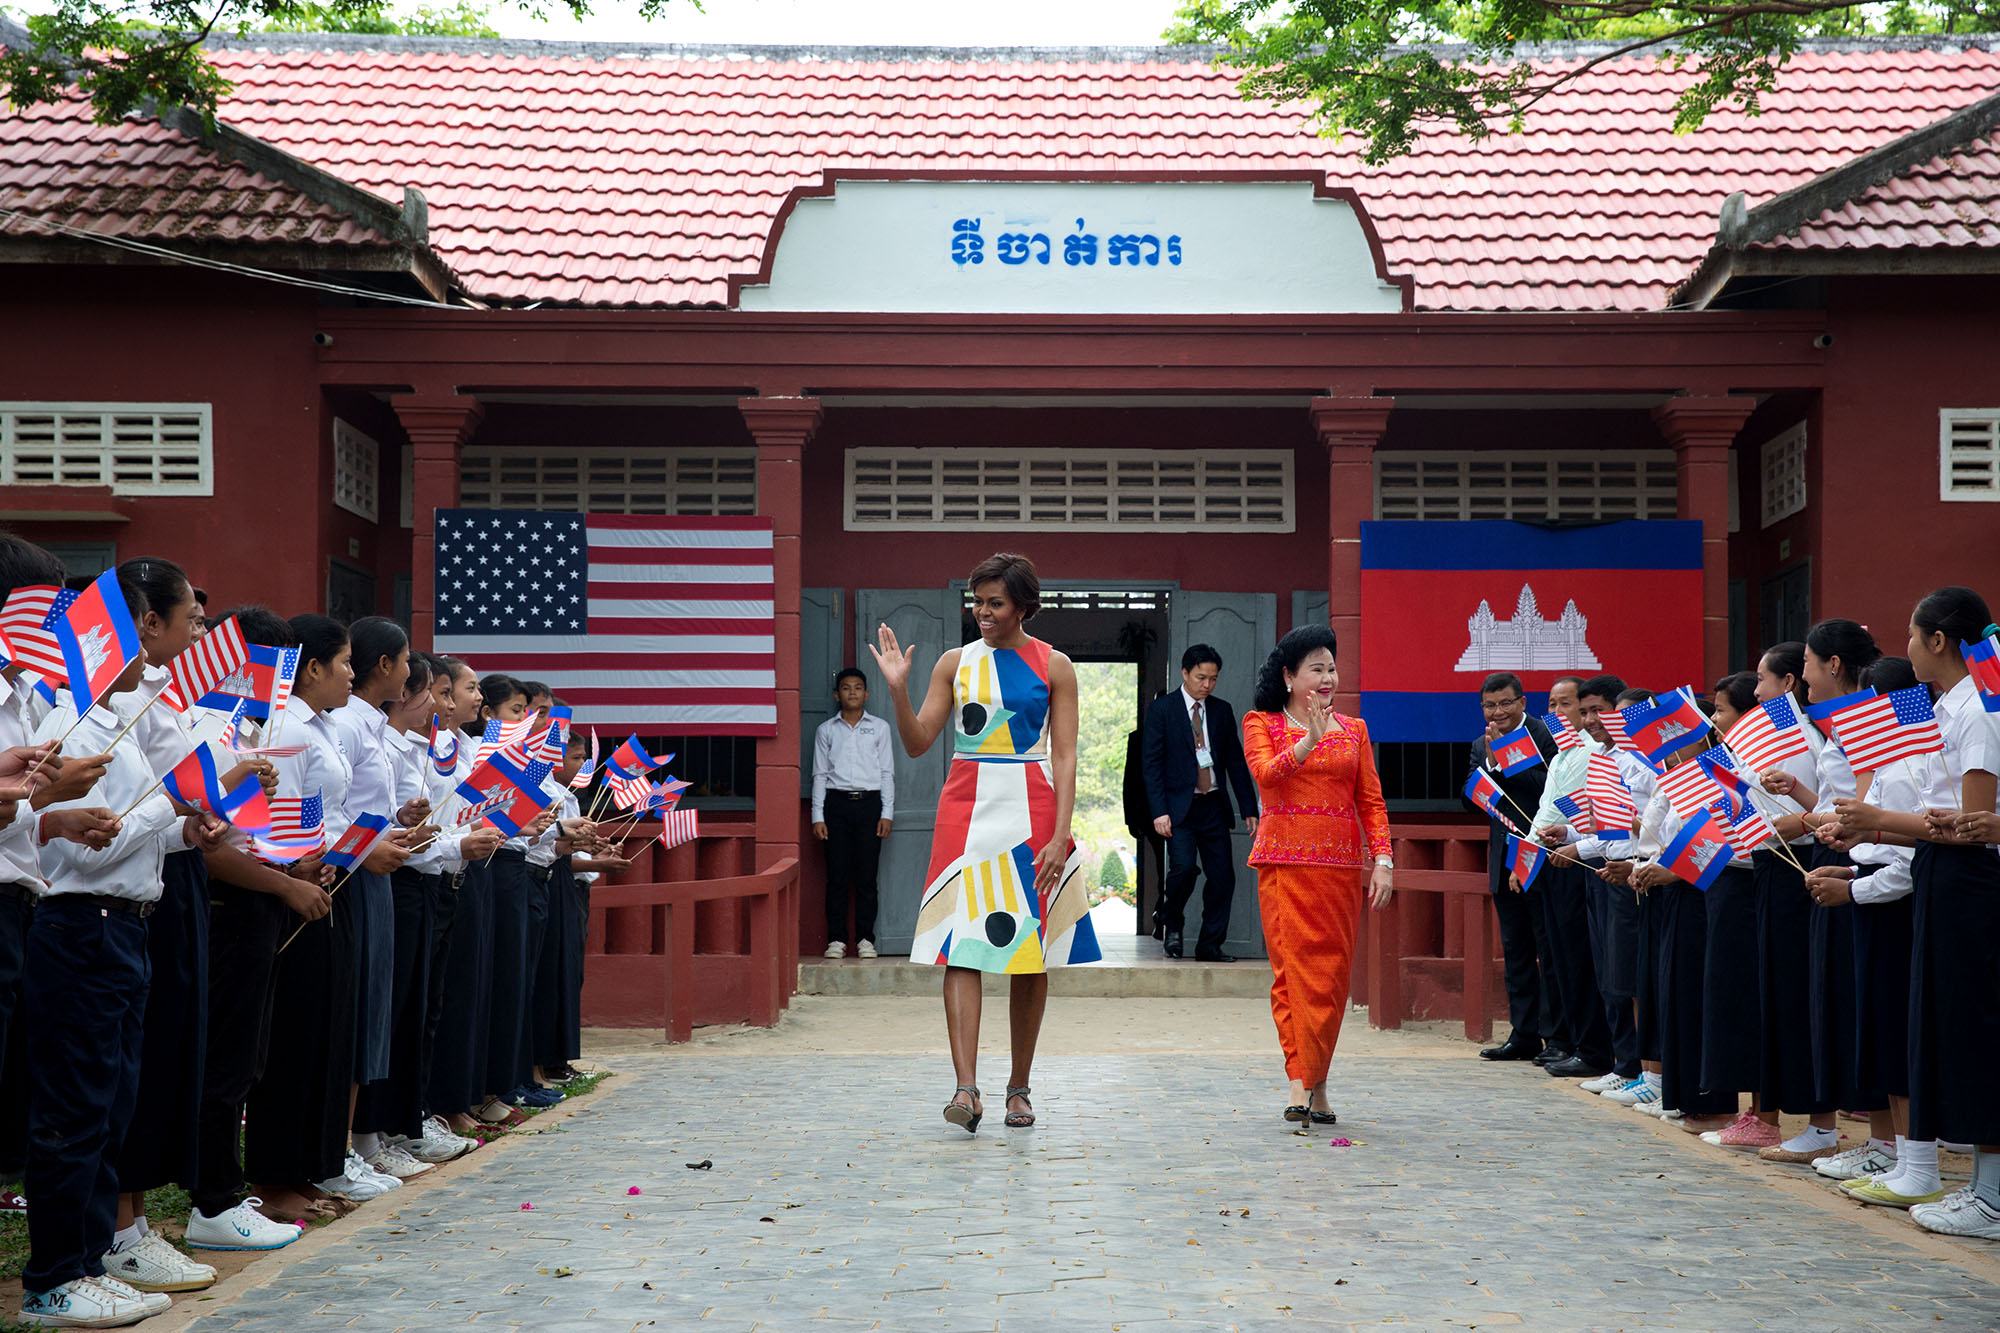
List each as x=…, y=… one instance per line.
x=1310, y=607
x=928, y=620
x=821, y=656
x=1242, y=627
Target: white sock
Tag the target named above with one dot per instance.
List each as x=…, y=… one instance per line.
x=1986, y=1178
x=126, y=1238
x=1653, y=1080
x=1916, y=1168
x=367, y=1145
x=1888, y=1149
x=140, y=1222
x=1813, y=1139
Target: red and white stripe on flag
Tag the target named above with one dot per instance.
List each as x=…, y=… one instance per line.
x=677, y=827
x=1759, y=743
x=205, y=664
x=660, y=625
x=34, y=647
x=1689, y=789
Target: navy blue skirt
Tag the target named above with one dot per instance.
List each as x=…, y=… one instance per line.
x=1954, y=1021
x=1836, y=1016
x=1784, y=980
x=458, y=1065
x=1684, y=945
x=375, y=976
x=1882, y=990
x=1729, y=1003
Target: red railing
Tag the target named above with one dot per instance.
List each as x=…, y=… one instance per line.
x=1433, y=949
x=690, y=936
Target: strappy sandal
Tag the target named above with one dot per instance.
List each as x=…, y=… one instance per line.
x=1321, y=1117
x=1298, y=1115
x=964, y=1116
x=1020, y=1119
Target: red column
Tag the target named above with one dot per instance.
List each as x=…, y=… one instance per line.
x=1701, y=430
x=782, y=427
x=438, y=426
x=1349, y=429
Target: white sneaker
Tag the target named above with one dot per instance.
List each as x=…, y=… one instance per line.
x=1863, y=1161
x=357, y=1182
x=865, y=949
x=1960, y=1213
x=1636, y=1093
x=155, y=1265
x=240, y=1228
x=837, y=949
x=438, y=1144
x=152, y=1302
x=1603, y=1083
x=81, y=1303
x=394, y=1162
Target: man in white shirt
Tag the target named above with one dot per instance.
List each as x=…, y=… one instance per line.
x=853, y=805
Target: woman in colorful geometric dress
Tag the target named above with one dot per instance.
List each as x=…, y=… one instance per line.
x=1006, y=890
x=1322, y=848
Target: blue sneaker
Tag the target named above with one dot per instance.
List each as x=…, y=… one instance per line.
x=537, y=1097
x=1636, y=1093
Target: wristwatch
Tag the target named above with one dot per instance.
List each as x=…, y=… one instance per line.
x=1385, y=862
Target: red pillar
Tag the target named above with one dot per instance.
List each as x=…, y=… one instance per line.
x=1701, y=430
x=1349, y=429
x=438, y=426
x=782, y=427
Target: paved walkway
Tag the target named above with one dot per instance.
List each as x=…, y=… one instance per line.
x=1156, y=1188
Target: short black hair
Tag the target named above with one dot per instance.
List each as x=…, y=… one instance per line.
x=1569, y=680
x=1198, y=654
x=1635, y=695
x=538, y=690
x=1502, y=680
x=26, y=565
x=260, y=625
x=856, y=672
x=1606, y=686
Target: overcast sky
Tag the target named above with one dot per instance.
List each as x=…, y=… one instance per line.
x=860, y=22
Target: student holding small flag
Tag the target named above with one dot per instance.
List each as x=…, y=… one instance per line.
x=1533, y=1013
x=558, y=1013
x=85, y=986
x=1621, y=785
x=515, y=893
x=1955, y=954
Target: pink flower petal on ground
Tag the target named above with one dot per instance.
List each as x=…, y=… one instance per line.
x=527, y=1207
x=634, y=1190
x=1339, y=1143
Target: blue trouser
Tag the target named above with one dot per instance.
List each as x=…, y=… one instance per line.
x=85, y=989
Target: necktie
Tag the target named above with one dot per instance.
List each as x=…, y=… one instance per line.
x=1205, y=779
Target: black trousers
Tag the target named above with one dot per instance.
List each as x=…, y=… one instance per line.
x=559, y=975
x=853, y=859
x=244, y=932
x=1561, y=890
x=1954, y=1026
x=458, y=1070
x=444, y=890
x=17, y=913
x=1520, y=953
x=162, y=1143
x=1200, y=844
x=85, y=1011
x=395, y=1105
x=295, y=1124
x=1615, y=949
x=507, y=1026
x=1730, y=1047
x=1784, y=946
x=1683, y=921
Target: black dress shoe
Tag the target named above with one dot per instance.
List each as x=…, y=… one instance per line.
x=1217, y=957
x=1553, y=1054
x=1173, y=945
x=1576, y=1067
x=1512, y=1049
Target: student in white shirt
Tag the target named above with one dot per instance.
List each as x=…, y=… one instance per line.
x=85, y=989
x=853, y=806
x=520, y=908
x=572, y=861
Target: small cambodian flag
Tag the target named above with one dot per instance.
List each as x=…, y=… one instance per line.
x=262, y=681
x=194, y=781
x=1982, y=659
x=1699, y=852
x=1525, y=858
x=1484, y=792
x=98, y=639
x=631, y=760
x=1665, y=724
x=442, y=748
x=509, y=793
x=357, y=842
x=1515, y=752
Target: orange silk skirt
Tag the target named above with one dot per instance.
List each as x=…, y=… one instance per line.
x=1312, y=915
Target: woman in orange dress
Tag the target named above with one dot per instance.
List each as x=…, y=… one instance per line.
x=1321, y=847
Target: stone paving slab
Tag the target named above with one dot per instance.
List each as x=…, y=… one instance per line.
x=1155, y=1190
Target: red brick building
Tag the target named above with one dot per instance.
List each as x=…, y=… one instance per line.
x=697, y=281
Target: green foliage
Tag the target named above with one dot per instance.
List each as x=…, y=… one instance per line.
x=462, y=19
x=127, y=55
x=1111, y=872
x=1381, y=70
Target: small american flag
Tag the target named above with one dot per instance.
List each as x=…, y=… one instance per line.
x=1566, y=736
x=1614, y=727
x=298, y=828
x=1611, y=802
x=677, y=827
x=589, y=769
x=1689, y=789
x=205, y=664
x=1889, y=727
x=1576, y=809
x=1767, y=736
x=663, y=625
x=34, y=646
x=629, y=793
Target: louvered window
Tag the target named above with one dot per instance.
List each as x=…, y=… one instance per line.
x=134, y=448
x=1491, y=484
x=357, y=468
x=1783, y=462
x=1155, y=490
x=611, y=481
x=1969, y=453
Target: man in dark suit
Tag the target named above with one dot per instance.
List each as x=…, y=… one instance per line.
x=1191, y=753
x=1533, y=1007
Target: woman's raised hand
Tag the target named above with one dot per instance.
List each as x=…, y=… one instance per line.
x=1318, y=715
x=891, y=659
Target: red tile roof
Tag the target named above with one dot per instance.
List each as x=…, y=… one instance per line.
x=143, y=181
x=1951, y=201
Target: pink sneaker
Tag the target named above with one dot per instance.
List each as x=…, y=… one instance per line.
x=1751, y=1133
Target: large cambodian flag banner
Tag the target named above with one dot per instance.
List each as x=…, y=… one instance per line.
x=1443, y=604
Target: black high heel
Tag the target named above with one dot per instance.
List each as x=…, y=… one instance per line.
x=1298, y=1115
x=964, y=1116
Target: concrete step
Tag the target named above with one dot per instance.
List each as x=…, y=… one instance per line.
x=1170, y=978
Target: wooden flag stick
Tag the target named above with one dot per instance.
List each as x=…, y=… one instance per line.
x=329, y=893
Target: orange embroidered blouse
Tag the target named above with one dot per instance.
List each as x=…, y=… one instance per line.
x=1326, y=810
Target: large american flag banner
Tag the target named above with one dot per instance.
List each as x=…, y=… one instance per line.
x=654, y=624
